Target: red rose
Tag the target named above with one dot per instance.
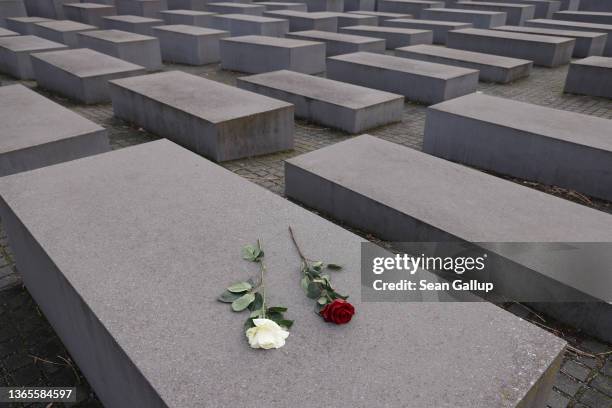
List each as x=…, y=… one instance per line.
x=339, y=312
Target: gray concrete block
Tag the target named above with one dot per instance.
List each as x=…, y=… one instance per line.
x=62, y=31
x=349, y=181
x=11, y=8
x=7, y=33
x=141, y=8
x=189, y=44
x=255, y=54
x=278, y=5
x=587, y=44
x=382, y=16
x=133, y=24
x=413, y=7
x=569, y=4
x=356, y=5
x=324, y=5
x=590, y=76
x=596, y=17
x=337, y=43
x=595, y=5
x=193, y=5
x=492, y=68
x=543, y=8
x=351, y=19
x=15, y=54
x=187, y=17
x=135, y=48
x=116, y=324
x=418, y=81
x=527, y=141
x=576, y=26
x=37, y=132
x=242, y=24
x=46, y=8
x=440, y=28
x=478, y=18
x=336, y=104
x=516, y=14
x=80, y=74
x=541, y=49
x=88, y=13
x=301, y=21
x=215, y=120
x=394, y=37
x=24, y=25
x=235, y=8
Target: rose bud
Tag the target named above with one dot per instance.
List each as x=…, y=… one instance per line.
x=339, y=312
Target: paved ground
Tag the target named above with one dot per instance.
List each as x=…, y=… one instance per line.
x=31, y=353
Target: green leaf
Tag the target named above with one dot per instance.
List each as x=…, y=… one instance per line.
x=256, y=313
x=228, y=297
x=334, y=267
x=285, y=323
x=322, y=300
x=248, y=324
x=252, y=253
x=242, y=302
x=314, y=290
x=275, y=316
x=317, y=265
x=304, y=283
x=279, y=309
x=240, y=287
x=257, y=303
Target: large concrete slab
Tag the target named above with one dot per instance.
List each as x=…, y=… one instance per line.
x=324, y=5
x=301, y=21
x=189, y=44
x=543, y=8
x=437, y=200
x=570, y=4
x=527, y=141
x=595, y=5
x=62, y=31
x=11, y=8
x=242, y=24
x=394, y=36
x=88, y=13
x=235, y=8
x=52, y=9
x=413, y=7
x=478, y=18
x=587, y=44
x=133, y=24
x=590, y=76
x=206, y=211
x=338, y=43
x=255, y=54
x=597, y=17
x=336, y=104
x=24, y=25
x=440, y=28
x=418, y=81
x=141, y=8
x=15, y=54
x=7, y=33
x=541, y=49
x=350, y=19
x=187, y=17
x=382, y=16
x=279, y=5
x=516, y=14
x=135, y=48
x=355, y=5
x=576, y=26
x=80, y=74
x=193, y=5
x=491, y=68
x=215, y=120
x=37, y=132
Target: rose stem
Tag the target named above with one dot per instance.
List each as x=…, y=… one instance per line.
x=262, y=269
x=296, y=245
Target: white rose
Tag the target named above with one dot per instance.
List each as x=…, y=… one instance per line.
x=266, y=334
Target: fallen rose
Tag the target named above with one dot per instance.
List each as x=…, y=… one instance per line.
x=266, y=334
x=339, y=312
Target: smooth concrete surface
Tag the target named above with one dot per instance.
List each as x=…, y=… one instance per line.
x=491, y=68
x=576, y=26
x=218, y=121
x=15, y=54
x=88, y=13
x=242, y=24
x=235, y=8
x=394, y=37
x=62, y=31
x=157, y=299
x=134, y=24
x=80, y=74
x=382, y=16
x=590, y=76
x=440, y=28
x=255, y=54
x=543, y=50
x=571, y=4
x=140, y=8
x=24, y=25
x=187, y=17
x=52, y=9
x=595, y=5
x=338, y=43
x=336, y=104
x=7, y=33
x=516, y=14
x=301, y=21
x=478, y=18
x=135, y=48
x=543, y=8
x=324, y=5
x=350, y=19
x=597, y=17
x=355, y=5
x=189, y=44
x=413, y=7
x=37, y=132
x=587, y=44
x=278, y=5
x=191, y=5
x=527, y=141
x=11, y=8
x=418, y=81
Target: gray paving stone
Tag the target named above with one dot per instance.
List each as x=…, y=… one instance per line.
x=141, y=8
x=255, y=54
x=382, y=16
x=557, y=400
x=590, y=76
x=235, y=8
x=301, y=21
x=37, y=132
x=134, y=24
x=419, y=81
x=15, y=54
x=440, y=28
x=324, y=5
x=242, y=24
x=7, y=33
x=602, y=384
x=338, y=43
x=597, y=17
x=62, y=31
x=587, y=44
x=576, y=26
x=24, y=25
x=541, y=49
x=135, y=48
x=394, y=37
x=350, y=19
x=193, y=5
x=190, y=45
x=220, y=122
x=88, y=13
x=115, y=351
x=413, y=7
x=356, y=5
x=595, y=399
x=11, y=8
x=478, y=18
x=351, y=108
x=567, y=385
x=80, y=74
x=278, y=5
x=492, y=68
x=543, y=8
x=187, y=17
x=517, y=14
